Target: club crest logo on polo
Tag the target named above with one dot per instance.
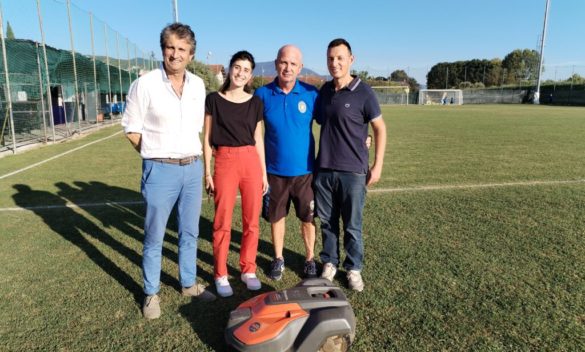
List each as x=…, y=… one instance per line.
x=347, y=105
x=302, y=107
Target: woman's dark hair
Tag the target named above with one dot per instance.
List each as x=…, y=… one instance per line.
x=338, y=42
x=240, y=55
x=182, y=31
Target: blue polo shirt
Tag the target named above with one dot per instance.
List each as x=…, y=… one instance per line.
x=344, y=116
x=288, y=122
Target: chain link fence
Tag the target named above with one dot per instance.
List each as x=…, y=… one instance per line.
x=69, y=74
x=562, y=94
x=560, y=85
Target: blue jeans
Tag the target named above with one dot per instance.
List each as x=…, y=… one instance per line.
x=163, y=186
x=341, y=194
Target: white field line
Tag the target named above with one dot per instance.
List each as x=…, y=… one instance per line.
x=57, y=156
x=72, y=206
x=473, y=186
x=377, y=190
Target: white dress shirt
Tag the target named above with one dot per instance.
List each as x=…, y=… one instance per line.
x=169, y=125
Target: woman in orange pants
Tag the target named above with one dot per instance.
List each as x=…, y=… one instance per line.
x=233, y=133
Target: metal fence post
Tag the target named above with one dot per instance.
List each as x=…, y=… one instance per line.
x=571, y=88
x=41, y=93
x=119, y=62
x=108, y=66
x=95, y=86
x=129, y=64
x=49, y=100
x=541, y=55
x=502, y=86
x=77, y=107
x=136, y=61
x=6, y=76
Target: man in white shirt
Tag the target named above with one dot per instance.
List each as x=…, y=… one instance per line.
x=163, y=117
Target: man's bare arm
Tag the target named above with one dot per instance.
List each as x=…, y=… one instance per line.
x=135, y=139
x=379, y=128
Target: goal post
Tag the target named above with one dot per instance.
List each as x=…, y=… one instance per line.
x=440, y=97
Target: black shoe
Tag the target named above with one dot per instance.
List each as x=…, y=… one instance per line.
x=276, y=269
x=310, y=269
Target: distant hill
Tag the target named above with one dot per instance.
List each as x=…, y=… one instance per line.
x=266, y=69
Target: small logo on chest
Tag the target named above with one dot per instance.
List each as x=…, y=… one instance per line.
x=302, y=107
x=347, y=105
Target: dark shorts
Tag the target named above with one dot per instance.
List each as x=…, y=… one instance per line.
x=295, y=189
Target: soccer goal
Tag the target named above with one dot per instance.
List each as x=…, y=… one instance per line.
x=440, y=97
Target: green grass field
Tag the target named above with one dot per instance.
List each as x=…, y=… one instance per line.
x=474, y=241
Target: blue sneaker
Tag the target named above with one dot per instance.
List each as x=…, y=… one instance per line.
x=310, y=269
x=276, y=269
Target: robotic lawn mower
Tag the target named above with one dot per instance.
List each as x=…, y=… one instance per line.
x=312, y=316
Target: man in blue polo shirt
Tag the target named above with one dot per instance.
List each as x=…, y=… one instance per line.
x=344, y=109
x=290, y=154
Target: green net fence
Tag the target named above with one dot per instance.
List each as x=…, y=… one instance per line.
x=63, y=71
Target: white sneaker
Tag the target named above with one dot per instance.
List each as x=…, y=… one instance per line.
x=251, y=281
x=222, y=285
x=329, y=271
x=354, y=278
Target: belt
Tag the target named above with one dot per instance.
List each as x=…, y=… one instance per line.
x=183, y=161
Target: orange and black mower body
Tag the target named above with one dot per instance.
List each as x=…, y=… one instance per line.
x=301, y=318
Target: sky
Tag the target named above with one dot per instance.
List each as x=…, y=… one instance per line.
x=386, y=35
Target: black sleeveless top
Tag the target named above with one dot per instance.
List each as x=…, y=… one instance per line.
x=233, y=124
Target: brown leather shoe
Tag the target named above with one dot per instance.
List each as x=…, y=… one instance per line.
x=198, y=291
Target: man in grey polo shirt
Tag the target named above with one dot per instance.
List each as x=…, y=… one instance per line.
x=344, y=108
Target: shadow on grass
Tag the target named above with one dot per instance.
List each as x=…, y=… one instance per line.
x=73, y=227
x=127, y=220
x=208, y=320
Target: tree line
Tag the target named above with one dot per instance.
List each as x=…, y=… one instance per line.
x=520, y=67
